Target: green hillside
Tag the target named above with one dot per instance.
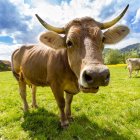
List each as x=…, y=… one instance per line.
x=119, y=56
x=133, y=47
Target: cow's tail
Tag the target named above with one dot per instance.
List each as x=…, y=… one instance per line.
x=16, y=75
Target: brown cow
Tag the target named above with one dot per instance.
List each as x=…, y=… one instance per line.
x=133, y=64
x=76, y=65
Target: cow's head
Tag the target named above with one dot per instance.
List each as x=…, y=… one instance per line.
x=84, y=41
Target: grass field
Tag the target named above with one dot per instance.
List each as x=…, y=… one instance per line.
x=111, y=114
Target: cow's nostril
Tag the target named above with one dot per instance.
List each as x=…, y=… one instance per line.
x=88, y=77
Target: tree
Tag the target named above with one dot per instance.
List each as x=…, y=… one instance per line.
x=132, y=54
x=113, y=57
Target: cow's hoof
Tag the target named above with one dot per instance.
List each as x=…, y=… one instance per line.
x=71, y=119
x=25, y=108
x=34, y=106
x=65, y=124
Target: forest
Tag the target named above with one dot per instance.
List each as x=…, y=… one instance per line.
x=119, y=56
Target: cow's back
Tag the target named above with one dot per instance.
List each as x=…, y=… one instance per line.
x=31, y=63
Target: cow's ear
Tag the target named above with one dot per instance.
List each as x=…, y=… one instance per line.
x=115, y=34
x=52, y=39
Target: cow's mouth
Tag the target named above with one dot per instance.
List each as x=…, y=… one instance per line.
x=89, y=89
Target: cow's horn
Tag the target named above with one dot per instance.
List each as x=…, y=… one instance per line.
x=50, y=27
x=114, y=21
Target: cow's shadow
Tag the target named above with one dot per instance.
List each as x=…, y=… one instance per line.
x=136, y=77
x=42, y=124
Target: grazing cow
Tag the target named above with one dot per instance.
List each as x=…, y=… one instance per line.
x=133, y=64
x=69, y=63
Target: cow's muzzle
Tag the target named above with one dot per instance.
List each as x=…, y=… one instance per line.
x=92, y=78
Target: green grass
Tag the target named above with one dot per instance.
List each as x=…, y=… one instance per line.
x=111, y=114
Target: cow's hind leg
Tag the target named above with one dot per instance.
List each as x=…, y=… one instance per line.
x=59, y=96
x=69, y=98
x=22, y=91
x=137, y=71
x=34, y=104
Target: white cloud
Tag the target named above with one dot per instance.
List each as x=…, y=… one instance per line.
x=6, y=51
x=137, y=17
x=61, y=14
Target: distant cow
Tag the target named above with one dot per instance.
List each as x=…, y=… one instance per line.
x=76, y=65
x=133, y=64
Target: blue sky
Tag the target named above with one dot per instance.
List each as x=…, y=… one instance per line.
x=18, y=24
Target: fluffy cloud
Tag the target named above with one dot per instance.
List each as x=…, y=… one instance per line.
x=12, y=21
x=61, y=14
x=138, y=15
x=6, y=50
x=10, y=18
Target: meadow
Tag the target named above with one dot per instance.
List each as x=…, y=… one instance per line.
x=111, y=114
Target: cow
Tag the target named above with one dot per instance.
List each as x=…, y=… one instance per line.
x=133, y=64
x=68, y=63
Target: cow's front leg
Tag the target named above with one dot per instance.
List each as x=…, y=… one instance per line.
x=34, y=104
x=59, y=96
x=130, y=72
x=69, y=98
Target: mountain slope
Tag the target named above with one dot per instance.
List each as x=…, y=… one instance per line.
x=134, y=47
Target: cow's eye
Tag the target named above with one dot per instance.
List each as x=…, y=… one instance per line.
x=69, y=44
